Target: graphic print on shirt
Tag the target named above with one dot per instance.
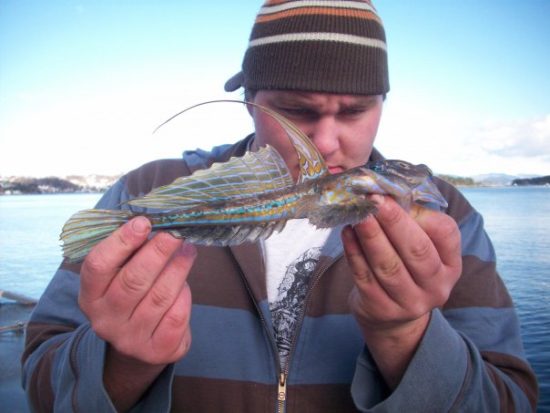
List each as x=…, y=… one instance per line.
x=288, y=305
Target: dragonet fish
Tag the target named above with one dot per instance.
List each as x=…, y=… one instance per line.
x=248, y=198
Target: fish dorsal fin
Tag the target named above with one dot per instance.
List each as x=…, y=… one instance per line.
x=312, y=164
x=254, y=173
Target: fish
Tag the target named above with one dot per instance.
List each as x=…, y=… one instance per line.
x=248, y=198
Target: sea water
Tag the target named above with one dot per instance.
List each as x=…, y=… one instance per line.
x=518, y=221
x=30, y=248
x=516, y=218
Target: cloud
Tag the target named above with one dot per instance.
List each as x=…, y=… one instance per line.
x=110, y=131
x=516, y=138
x=463, y=141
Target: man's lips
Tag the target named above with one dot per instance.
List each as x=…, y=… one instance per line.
x=335, y=169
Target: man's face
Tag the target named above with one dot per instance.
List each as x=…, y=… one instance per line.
x=342, y=127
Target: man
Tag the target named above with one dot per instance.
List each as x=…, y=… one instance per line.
x=402, y=312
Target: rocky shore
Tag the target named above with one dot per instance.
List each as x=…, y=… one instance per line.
x=541, y=180
x=17, y=185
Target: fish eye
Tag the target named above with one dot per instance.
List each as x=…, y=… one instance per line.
x=404, y=165
x=378, y=167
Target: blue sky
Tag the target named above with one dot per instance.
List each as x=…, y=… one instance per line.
x=84, y=83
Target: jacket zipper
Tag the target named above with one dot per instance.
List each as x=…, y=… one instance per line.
x=283, y=372
x=283, y=375
x=281, y=393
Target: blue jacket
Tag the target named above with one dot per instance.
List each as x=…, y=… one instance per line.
x=470, y=359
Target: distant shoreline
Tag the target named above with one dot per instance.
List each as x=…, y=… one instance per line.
x=496, y=180
x=50, y=193
x=100, y=183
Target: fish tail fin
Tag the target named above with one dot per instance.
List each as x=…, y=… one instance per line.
x=87, y=228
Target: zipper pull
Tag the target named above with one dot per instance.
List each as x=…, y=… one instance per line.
x=281, y=395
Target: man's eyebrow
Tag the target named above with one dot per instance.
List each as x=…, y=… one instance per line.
x=359, y=105
x=307, y=101
x=362, y=101
x=295, y=99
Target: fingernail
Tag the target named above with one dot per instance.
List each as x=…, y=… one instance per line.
x=141, y=225
x=377, y=199
x=347, y=232
x=187, y=250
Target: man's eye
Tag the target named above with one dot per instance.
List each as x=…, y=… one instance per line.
x=298, y=112
x=351, y=112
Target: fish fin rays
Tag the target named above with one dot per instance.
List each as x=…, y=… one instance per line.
x=227, y=235
x=254, y=173
x=311, y=162
x=87, y=228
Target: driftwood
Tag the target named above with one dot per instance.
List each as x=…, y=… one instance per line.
x=8, y=315
x=19, y=298
x=18, y=326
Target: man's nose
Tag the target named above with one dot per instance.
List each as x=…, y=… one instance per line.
x=325, y=135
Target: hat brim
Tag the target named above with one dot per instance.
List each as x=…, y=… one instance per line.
x=234, y=82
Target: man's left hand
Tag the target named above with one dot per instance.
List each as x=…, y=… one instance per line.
x=405, y=264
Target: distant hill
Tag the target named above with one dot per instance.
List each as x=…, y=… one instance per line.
x=540, y=180
x=494, y=179
x=457, y=180
x=51, y=185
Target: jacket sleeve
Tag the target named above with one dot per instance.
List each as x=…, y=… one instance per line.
x=471, y=358
x=63, y=357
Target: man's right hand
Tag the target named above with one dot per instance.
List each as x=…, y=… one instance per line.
x=134, y=291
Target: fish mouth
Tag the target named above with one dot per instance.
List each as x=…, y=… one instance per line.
x=428, y=193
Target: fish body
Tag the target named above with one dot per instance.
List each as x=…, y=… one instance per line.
x=250, y=197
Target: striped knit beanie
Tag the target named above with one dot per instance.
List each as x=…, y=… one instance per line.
x=331, y=46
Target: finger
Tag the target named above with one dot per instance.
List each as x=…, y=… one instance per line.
x=445, y=236
x=384, y=260
x=416, y=250
x=173, y=334
x=135, y=279
x=355, y=257
x=369, y=301
x=377, y=248
x=429, y=247
x=166, y=288
x=104, y=261
x=443, y=231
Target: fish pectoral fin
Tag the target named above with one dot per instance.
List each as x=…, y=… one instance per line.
x=227, y=235
x=334, y=214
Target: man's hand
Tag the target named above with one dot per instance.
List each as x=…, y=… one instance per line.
x=135, y=294
x=404, y=265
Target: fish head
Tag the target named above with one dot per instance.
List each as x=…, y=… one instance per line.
x=398, y=170
x=404, y=181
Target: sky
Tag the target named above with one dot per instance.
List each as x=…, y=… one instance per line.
x=84, y=83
